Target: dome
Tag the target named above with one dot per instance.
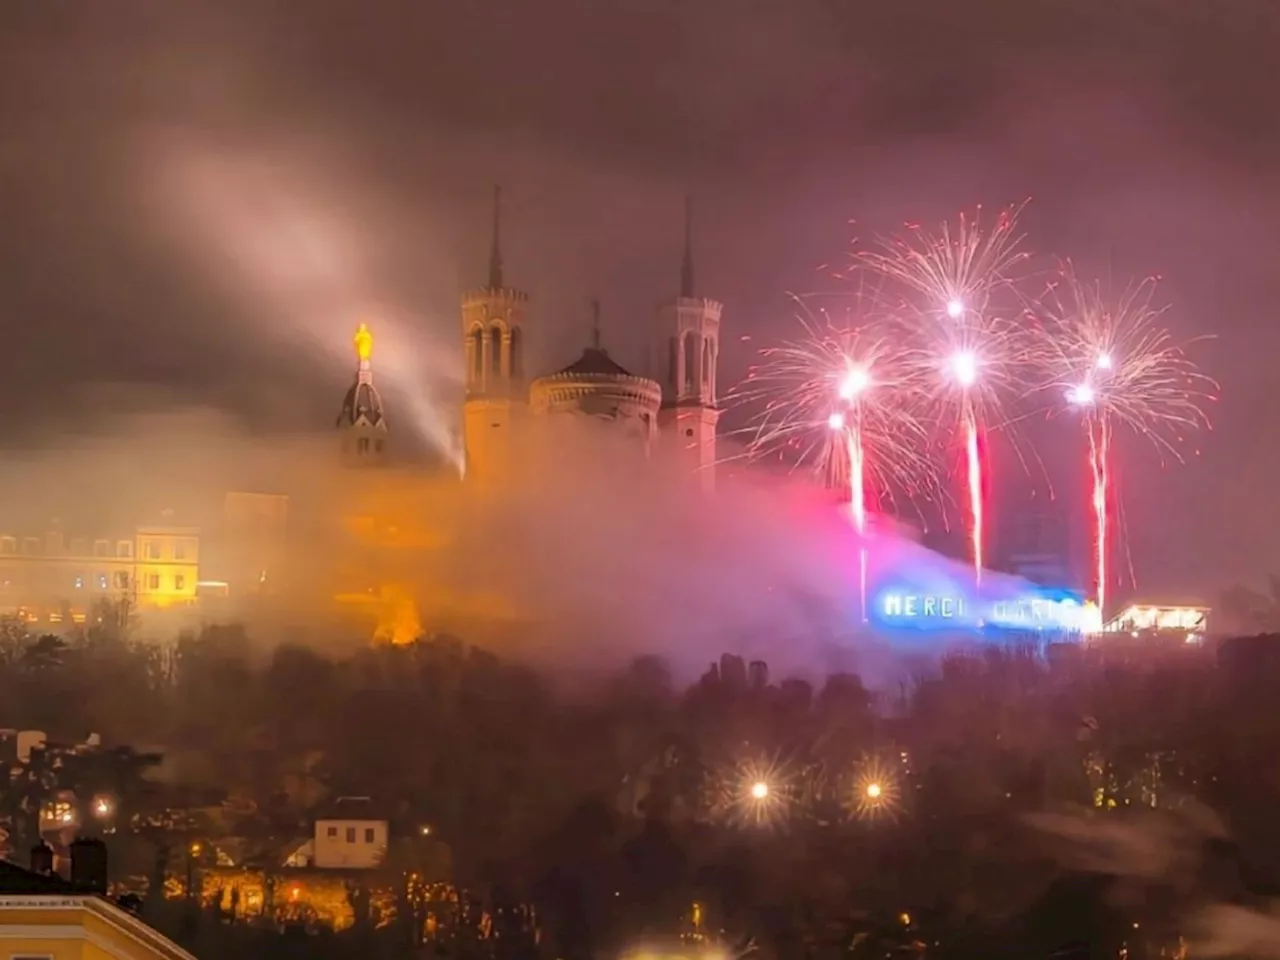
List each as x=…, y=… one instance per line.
x=362, y=404
x=597, y=385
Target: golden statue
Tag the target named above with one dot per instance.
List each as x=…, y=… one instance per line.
x=364, y=343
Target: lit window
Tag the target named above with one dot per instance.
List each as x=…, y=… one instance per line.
x=102, y=581
x=153, y=581
x=179, y=581
x=79, y=583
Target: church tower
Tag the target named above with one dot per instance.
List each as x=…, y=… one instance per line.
x=363, y=422
x=493, y=331
x=689, y=351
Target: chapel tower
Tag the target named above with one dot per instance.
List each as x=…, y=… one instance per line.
x=493, y=331
x=689, y=351
x=363, y=421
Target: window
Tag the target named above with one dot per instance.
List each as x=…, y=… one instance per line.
x=363, y=444
x=351, y=834
x=495, y=351
x=122, y=579
x=153, y=549
x=54, y=543
x=8, y=545
x=153, y=581
x=331, y=832
x=101, y=548
x=179, y=550
x=30, y=544
x=179, y=581
x=79, y=547
x=377, y=446
x=368, y=834
x=124, y=549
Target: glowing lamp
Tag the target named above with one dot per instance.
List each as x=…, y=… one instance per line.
x=759, y=790
x=955, y=308
x=854, y=383
x=836, y=421
x=964, y=367
x=874, y=790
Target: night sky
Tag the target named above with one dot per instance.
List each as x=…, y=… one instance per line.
x=202, y=199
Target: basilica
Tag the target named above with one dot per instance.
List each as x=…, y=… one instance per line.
x=675, y=418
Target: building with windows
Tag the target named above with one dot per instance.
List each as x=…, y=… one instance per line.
x=46, y=917
x=675, y=415
x=351, y=835
x=58, y=576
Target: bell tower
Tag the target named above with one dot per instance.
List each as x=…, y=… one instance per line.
x=363, y=421
x=689, y=352
x=493, y=336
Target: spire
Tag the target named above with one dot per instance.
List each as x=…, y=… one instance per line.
x=595, y=323
x=686, y=267
x=495, y=251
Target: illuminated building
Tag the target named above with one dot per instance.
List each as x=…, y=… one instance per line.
x=680, y=413
x=1187, y=623
x=691, y=325
x=348, y=836
x=44, y=917
x=363, y=423
x=52, y=578
x=597, y=385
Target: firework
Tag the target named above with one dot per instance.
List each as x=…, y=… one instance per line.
x=945, y=295
x=1114, y=361
x=838, y=398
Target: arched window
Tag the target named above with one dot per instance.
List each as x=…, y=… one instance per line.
x=477, y=356
x=690, y=361
x=517, y=354
x=495, y=348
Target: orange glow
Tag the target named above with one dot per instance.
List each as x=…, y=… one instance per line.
x=363, y=341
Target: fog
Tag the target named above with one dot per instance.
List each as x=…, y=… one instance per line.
x=591, y=555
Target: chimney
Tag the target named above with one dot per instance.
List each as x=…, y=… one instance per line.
x=42, y=859
x=89, y=866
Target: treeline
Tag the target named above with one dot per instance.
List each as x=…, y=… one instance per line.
x=1092, y=801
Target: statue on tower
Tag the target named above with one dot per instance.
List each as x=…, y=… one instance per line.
x=363, y=341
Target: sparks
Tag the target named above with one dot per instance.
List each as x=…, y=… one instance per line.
x=950, y=293
x=1120, y=368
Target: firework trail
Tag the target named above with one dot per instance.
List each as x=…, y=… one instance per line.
x=1114, y=361
x=951, y=293
x=838, y=398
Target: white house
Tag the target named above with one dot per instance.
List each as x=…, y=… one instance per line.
x=350, y=836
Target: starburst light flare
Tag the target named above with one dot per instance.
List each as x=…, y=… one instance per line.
x=875, y=790
x=951, y=296
x=1114, y=361
x=756, y=793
